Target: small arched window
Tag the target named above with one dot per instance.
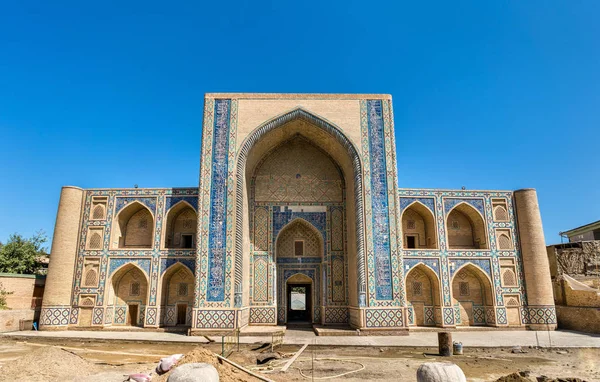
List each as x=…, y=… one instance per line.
x=91, y=278
x=509, y=278
x=95, y=241
x=98, y=212
x=500, y=213
x=504, y=242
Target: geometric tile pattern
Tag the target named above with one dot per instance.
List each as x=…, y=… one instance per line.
x=120, y=312
x=478, y=315
x=262, y=315
x=97, y=316
x=411, y=315
x=501, y=316
x=384, y=318
x=50, y=316
x=336, y=315
x=217, y=244
x=542, y=315
x=215, y=319
x=429, y=316
x=379, y=202
x=448, y=316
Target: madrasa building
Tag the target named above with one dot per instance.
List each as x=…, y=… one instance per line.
x=298, y=217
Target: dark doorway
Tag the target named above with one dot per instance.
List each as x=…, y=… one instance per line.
x=411, y=242
x=132, y=316
x=181, y=313
x=299, y=303
x=187, y=241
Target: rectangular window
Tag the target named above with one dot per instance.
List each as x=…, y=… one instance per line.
x=463, y=288
x=299, y=248
x=182, y=290
x=134, y=289
x=187, y=241
x=417, y=288
x=411, y=242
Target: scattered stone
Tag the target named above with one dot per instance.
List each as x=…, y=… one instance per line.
x=525, y=373
x=194, y=372
x=561, y=352
x=381, y=350
x=440, y=372
x=514, y=377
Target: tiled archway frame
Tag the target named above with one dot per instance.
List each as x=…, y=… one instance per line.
x=341, y=138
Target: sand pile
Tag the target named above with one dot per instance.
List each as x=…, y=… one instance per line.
x=227, y=373
x=47, y=364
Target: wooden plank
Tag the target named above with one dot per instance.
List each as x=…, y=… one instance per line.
x=223, y=359
x=291, y=361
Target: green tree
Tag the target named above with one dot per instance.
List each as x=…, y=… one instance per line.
x=3, y=294
x=21, y=255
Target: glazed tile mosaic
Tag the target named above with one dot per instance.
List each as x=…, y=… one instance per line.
x=268, y=215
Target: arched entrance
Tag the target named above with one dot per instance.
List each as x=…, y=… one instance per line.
x=299, y=166
x=299, y=258
x=466, y=228
x=128, y=295
x=423, y=295
x=299, y=299
x=177, y=296
x=471, y=295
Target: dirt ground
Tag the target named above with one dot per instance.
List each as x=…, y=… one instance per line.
x=110, y=361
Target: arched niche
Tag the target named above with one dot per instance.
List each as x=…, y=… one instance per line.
x=472, y=292
x=423, y=293
x=418, y=227
x=465, y=228
x=181, y=226
x=330, y=140
x=128, y=295
x=177, y=295
x=134, y=227
x=297, y=239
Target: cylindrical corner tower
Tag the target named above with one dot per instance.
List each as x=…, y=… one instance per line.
x=56, y=305
x=540, y=298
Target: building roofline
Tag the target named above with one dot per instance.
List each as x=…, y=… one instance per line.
x=312, y=96
x=585, y=227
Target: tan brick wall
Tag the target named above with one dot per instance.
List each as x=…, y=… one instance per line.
x=9, y=319
x=343, y=113
x=578, y=318
x=22, y=288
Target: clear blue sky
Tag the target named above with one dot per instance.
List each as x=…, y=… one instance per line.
x=487, y=94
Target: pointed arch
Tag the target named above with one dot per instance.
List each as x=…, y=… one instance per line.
x=418, y=223
x=128, y=292
x=466, y=228
x=176, y=295
x=471, y=291
x=299, y=230
x=134, y=227
x=500, y=213
x=343, y=151
x=181, y=227
x=423, y=294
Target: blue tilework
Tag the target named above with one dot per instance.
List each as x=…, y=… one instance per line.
x=218, y=197
x=170, y=201
x=282, y=218
x=449, y=203
x=144, y=264
x=379, y=201
x=148, y=202
x=481, y=263
x=434, y=264
x=428, y=202
x=167, y=263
